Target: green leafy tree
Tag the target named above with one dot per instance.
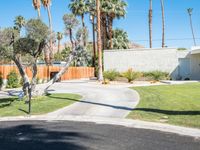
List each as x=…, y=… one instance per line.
x=33, y=44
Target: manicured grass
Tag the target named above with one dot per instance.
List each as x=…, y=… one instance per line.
x=173, y=104
x=40, y=105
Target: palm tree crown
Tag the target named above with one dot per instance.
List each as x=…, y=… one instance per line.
x=37, y=5
x=19, y=22
x=46, y=3
x=79, y=7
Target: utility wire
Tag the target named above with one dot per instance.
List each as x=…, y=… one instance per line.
x=182, y=39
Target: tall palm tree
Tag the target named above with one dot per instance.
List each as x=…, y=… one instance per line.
x=47, y=4
x=92, y=19
x=100, y=64
x=19, y=22
x=80, y=8
x=71, y=23
x=37, y=5
x=116, y=9
x=59, y=38
x=150, y=22
x=163, y=23
x=191, y=25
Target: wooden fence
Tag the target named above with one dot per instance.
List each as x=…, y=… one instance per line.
x=44, y=72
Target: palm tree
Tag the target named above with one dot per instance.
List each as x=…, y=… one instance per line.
x=80, y=8
x=71, y=23
x=191, y=25
x=150, y=23
x=116, y=9
x=19, y=23
x=92, y=19
x=163, y=23
x=37, y=5
x=47, y=4
x=100, y=67
x=120, y=39
x=59, y=38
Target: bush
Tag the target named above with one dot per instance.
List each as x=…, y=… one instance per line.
x=111, y=75
x=156, y=75
x=131, y=75
x=1, y=80
x=13, y=80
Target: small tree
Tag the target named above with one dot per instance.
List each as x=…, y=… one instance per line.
x=33, y=44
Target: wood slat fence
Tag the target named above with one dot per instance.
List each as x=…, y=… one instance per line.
x=44, y=72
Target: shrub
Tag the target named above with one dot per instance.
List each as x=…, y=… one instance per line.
x=1, y=80
x=13, y=80
x=157, y=75
x=111, y=75
x=131, y=75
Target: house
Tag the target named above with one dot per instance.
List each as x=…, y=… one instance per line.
x=182, y=65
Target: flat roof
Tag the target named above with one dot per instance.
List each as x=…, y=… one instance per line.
x=195, y=50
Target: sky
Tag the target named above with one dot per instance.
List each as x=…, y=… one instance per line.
x=178, y=32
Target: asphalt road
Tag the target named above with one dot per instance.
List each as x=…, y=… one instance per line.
x=64, y=135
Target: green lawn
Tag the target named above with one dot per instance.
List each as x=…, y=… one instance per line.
x=173, y=104
x=40, y=105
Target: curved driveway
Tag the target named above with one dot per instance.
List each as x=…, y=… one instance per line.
x=98, y=100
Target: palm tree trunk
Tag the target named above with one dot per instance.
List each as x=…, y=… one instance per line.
x=71, y=38
x=94, y=42
x=110, y=20
x=104, y=30
x=59, y=46
x=100, y=71
x=163, y=23
x=51, y=30
x=39, y=15
x=83, y=24
x=83, y=21
x=191, y=25
x=150, y=24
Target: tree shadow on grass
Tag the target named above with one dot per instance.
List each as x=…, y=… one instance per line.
x=36, y=137
x=94, y=103
x=168, y=112
x=5, y=102
x=23, y=110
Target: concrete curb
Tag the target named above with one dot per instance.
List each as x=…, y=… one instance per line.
x=113, y=121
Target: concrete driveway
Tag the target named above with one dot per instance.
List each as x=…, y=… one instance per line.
x=98, y=100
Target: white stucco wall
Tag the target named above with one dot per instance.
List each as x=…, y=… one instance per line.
x=195, y=66
x=141, y=59
x=145, y=60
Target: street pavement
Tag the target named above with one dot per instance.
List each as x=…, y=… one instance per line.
x=65, y=135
